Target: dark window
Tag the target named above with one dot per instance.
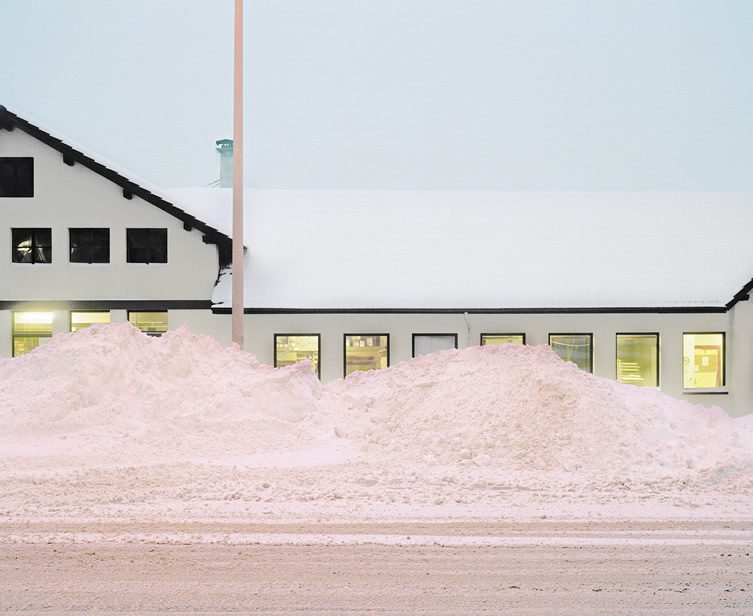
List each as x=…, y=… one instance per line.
x=17, y=177
x=90, y=245
x=146, y=245
x=32, y=246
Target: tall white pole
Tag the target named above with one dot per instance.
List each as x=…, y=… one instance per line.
x=238, y=299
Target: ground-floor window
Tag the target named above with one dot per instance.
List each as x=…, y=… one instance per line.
x=30, y=329
x=577, y=348
x=424, y=344
x=366, y=352
x=638, y=359
x=703, y=360
x=496, y=339
x=85, y=318
x=152, y=323
x=292, y=348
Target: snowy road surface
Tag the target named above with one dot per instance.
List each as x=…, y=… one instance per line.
x=544, y=567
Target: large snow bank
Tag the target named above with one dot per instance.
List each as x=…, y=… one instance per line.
x=522, y=408
x=110, y=422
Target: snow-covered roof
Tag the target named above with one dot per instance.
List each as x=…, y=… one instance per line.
x=346, y=249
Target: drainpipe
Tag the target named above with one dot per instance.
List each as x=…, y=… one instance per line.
x=468, y=326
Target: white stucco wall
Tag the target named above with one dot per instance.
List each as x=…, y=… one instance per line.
x=74, y=196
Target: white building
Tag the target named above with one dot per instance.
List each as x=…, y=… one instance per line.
x=649, y=288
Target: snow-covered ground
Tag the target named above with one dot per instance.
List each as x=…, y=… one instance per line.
x=108, y=424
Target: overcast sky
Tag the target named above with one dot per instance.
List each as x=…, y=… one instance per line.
x=404, y=94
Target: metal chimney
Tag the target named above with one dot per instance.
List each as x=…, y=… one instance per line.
x=225, y=149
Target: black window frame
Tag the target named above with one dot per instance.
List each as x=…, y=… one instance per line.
x=147, y=244
x=446, y=334
x=701, y=391
x=318, y=350
x=590, y=346
x=345, y=349
x=481, y=337
x=91, y=244
x=35, y=245
x=12, y=184
x=658, y=352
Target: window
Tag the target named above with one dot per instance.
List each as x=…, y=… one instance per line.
x=703, y=361
x=89, y=245
x=292, y=348
x=577, y=348
x=502, y=339
x=85, y=318
x=366, y=352
x=17, y=177
x=30, y=329
x=151, y=323
x=146, y=245
x=32, y=245
x=638, y=359
x=431, y=343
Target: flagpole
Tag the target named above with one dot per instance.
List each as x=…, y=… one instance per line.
x=238, y=298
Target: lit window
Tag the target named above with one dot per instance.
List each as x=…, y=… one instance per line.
x=32, y=245
x=151, y=323
x=89, y=245
x=577, y=348
x=502, y=339
x=638, y=359
x=366, y=352
x=146, y=245
x=703, y=361
x=17, y=176
x=292, y=348
x=80, y=320
x=30, y=329
x=423, y=344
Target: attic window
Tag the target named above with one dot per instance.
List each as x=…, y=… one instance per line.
x=146, y=245
x=17, y=176
x=89, y=245
x=32, y=245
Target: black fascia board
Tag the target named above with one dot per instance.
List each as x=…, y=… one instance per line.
x=9, y=121
x=219, y=309
x=742, y=295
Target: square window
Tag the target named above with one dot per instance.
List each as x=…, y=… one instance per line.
x=365, y=352
x=17, y=176
x=577, y=348
x=30, y=330
x=89, y=245
x=152, y=323
x=496, y=339
x=85, y=318
x=31, y=245
x=146, y=245
x=423, y=344
x=292, y=348
x=638, y=359
x=703, y=361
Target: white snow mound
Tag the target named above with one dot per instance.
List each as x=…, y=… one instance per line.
x=521, y=408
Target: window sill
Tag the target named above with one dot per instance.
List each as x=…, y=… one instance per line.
x=703, y=390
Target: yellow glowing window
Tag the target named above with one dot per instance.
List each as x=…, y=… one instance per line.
x=638, y=359
x=366, y=352
x=496, y=339
x=577, y=348
x=80, y=320
x=151, y=323
x=292, y=348
x=30, y=329
x=703, y=361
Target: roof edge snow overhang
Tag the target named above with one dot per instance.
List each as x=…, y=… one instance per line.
x=578, y=310
x=10, y=121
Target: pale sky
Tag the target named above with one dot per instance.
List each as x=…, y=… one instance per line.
x=398, y=94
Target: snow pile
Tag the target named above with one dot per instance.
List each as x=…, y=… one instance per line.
x=113, y=391
x=521, y=408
